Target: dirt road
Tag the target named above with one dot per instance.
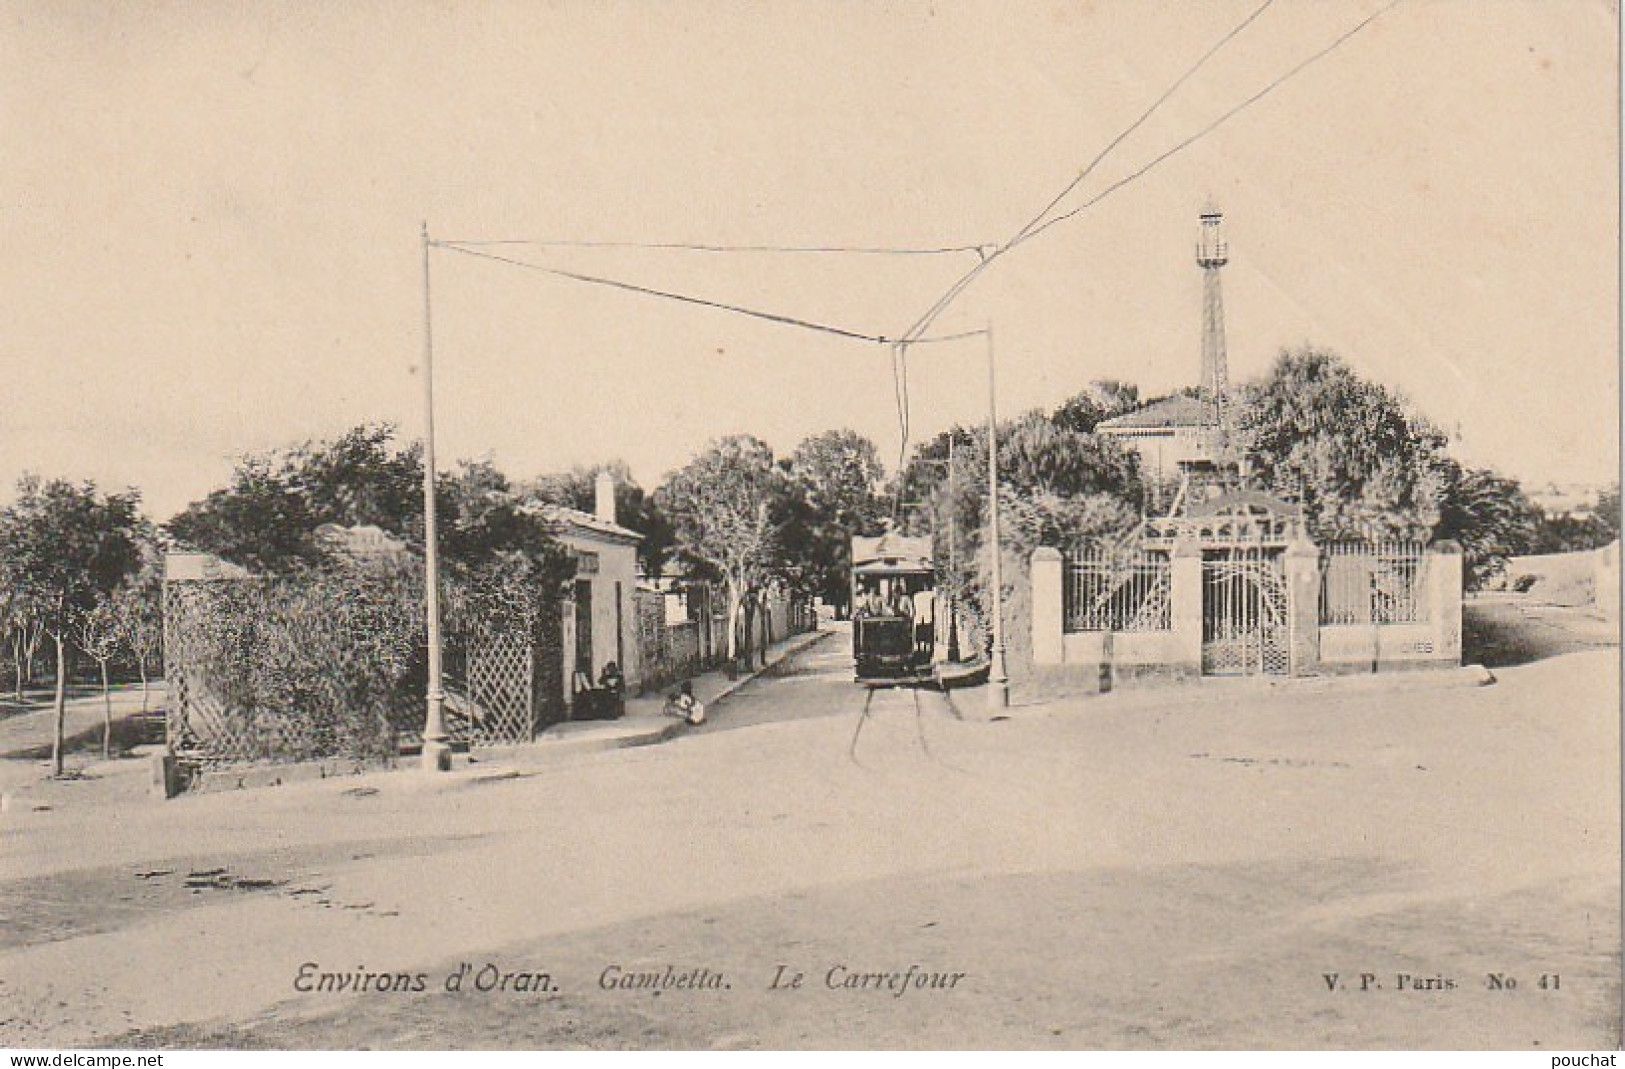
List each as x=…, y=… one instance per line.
x=1213, y=866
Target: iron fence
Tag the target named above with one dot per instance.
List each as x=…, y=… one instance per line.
x=1113, y=592
x=1373, y=583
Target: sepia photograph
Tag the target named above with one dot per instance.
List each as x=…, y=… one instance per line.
x=727, y=525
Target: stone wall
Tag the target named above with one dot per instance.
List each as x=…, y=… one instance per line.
x=1606, y=581
x=674, y=651
x=667, y=651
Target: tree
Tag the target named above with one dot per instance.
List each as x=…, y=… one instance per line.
x=1489, y=516
x=725, y=507
x=1058, y=485
x=1565, y=532
x=486, y=531
x=836, y=479
x=266, y=520
x=1607, y=515
x=1104, y=399
x=360, y=478
x=262, y=521
x=65, y=544
x=1036, y=455
x=1363, y=467
x=96, y=632
x=1345, y=449
x=25, y=622
x=138, y=607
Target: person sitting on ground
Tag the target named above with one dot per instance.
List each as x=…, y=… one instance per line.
x=681, y=702
x=612, y=689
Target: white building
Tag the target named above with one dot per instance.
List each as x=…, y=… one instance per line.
x=600, y=620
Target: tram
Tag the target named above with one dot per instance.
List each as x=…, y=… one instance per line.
x=893, y=609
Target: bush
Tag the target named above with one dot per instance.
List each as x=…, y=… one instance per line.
x=315, y=664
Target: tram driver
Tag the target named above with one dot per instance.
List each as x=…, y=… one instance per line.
x=898, y=602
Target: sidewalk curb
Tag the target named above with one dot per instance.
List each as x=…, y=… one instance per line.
x=806, y=640
x=481, y=768
x=547, y=747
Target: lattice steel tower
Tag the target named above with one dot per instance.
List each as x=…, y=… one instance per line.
x=1211, y=254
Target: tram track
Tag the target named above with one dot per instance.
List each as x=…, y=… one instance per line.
x=921, y=736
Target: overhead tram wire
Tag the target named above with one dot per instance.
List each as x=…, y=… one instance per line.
x=1137, y=123
x=900, y=350
x=682, y=246
x=685, y=298
x=1039, y=224
x=1209, y=128
x=920, y=325
x=988, y=256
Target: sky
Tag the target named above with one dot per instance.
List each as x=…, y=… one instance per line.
x=211, y=219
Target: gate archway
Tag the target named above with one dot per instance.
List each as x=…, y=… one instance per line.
x=1244, y=611
x=1246, y=608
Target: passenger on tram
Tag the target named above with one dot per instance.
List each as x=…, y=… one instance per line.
x=870, y=603
x=925, y=620
x=899, y=604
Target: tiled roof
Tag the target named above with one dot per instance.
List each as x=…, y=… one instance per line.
x=1179, y=410
x=584, y=520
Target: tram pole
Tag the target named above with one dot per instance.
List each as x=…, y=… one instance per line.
x=436, y=748
x=998, y=680
x=953, y=560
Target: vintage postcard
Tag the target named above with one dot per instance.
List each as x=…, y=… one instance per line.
x=732, y=525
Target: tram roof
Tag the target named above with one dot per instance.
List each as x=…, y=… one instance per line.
x=891, y=554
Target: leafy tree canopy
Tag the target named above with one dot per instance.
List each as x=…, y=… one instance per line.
x=728, y=508
x=1104, y=399
x=1346, y=449
x=836, y=479
x=65, y=545
x=267, y=518
x=725, y=506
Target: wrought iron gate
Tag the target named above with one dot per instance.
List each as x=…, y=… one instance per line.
x=1244, y=612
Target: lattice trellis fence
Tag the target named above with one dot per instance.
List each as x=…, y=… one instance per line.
x=492, y=702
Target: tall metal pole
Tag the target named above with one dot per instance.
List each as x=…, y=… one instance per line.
x=436, y=748
x=953, y=559
x=998, y=682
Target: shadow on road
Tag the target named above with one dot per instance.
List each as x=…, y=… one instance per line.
x=1504, y=630
x=129, y=731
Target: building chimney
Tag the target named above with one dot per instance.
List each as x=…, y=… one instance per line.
x=604, y=496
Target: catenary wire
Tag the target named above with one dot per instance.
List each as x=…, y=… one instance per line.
x=1209, y=128
x=1033, y=230
x=685, y=298
x=683, y=246
x=988, y=256
x=1039, y=224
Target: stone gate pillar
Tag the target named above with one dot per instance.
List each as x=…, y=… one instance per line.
x=1185, y=605
x=1303, y=607
x=1048, y=575
x=1444, y=596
